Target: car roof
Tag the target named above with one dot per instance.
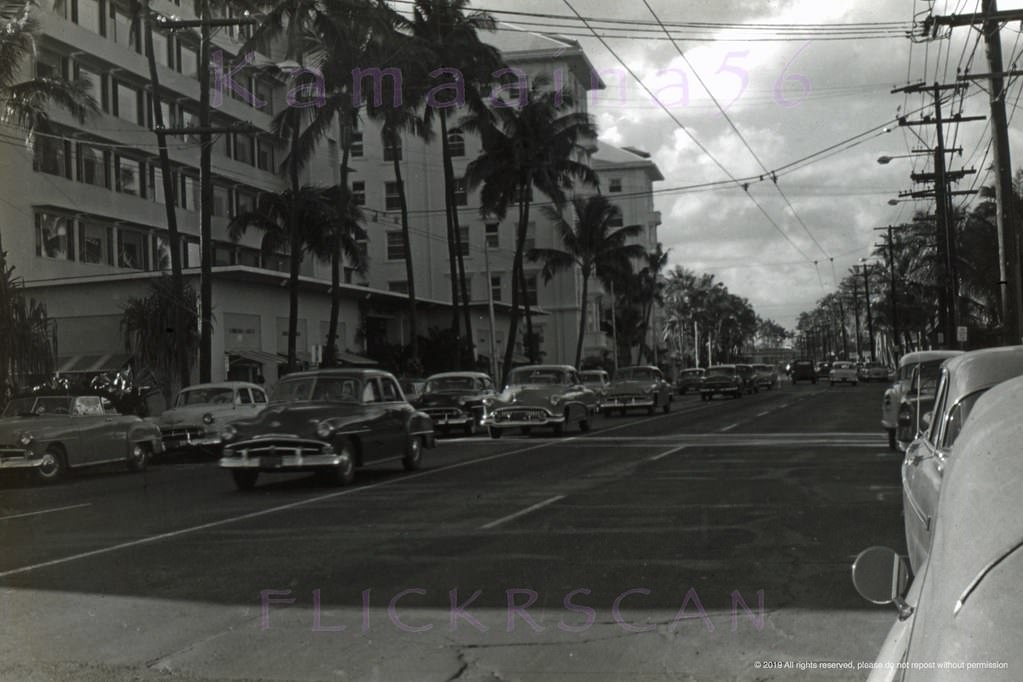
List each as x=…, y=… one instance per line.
x=919, y=356
x=447, y=375
x=360, y=372
x=978, y=369
x=640, y=367
x=693, y=370
x=562, y=368
x=222, y=384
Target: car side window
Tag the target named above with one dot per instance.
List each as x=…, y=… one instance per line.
x=87, y=406
x=390, y=390
x=573, y=379
x=244, y=397
x=370, y=392
x=258, y=395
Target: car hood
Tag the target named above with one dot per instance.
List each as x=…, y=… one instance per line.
x=298, y=419
x=11, y=426
x=193, y=414
x=631, y=387
x=446, y=398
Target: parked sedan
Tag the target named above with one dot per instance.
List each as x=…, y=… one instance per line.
x=963, y=380
x=640, y=387
x=540, y=396
x=959, y=608
x=749, y=380
x=47, y=434
x=689, y=380
x=722, y=380
x=843, y=373
x=598, y=381
x=200, y=412
x=328, y=421
x=455, y=400
x=929, y=362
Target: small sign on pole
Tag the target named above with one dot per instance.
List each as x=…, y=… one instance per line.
x=961, y=334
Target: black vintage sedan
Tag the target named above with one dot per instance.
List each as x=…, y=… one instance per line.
x=330, y=422
x=454, y=400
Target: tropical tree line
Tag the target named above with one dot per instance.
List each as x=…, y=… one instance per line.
x=26, y=350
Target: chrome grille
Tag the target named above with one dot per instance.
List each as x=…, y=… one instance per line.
x=178, y=432
x=277, y=446
x=519, y=414
x=443, y=412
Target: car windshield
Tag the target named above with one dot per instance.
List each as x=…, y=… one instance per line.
x=205, y=396
x=37, y=405
x=692, y=372
x=720, y=371
x=592, y=377
x=450, y=384
x=537, y=376
x=636, y=374
x=926, y=377
x=328, y=389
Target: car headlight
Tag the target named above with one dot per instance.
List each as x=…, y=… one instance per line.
x=207, y=418
x=25, y=439
x=228, y=432
x=324, y=429
x=555, y=399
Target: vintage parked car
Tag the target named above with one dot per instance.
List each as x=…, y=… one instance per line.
x=411, y=387
x=598, y=381
x=540, y=395
x=200, y=413
x=641, y=387
x=964, y=379
x=765, y=376
x=803, y=370
x=455, y=400
x=689, y=380
x=749, y=379
x=958, y=608
x=328, y=421
x=722, y=380
x=49, y=433
x=927, y=360
x=843, y=373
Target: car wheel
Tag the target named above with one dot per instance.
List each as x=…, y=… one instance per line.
x=343, y=473
x=244, y=479
x=139, y=457
x=413, y=454
x=52, y=465
x=470, y=427
x=892, y=445
x=495, y=432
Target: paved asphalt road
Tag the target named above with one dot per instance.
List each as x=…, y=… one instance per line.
x=710, y=543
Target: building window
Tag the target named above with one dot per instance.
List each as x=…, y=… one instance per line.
x=188, y=60
x=493, y=235
x=461, y=196
x=132, y=252
x=89, y=15
x=456, y=144
x=52, y=156
x=156, y=192
x=359, y=192
x=95, y=244
x=97, y=84
x=398, y=287
x=129, y=176
x=392, y=200
x=189, y=193
x=189, y=119
x=495, y=287
x=243, y=148
x=264, y=155
x=221, y=201
x=614, y=185
x=356, y=150
x=92, y=166
x=223, y=254
x=392, y=152
x=128, y=101
x=50, y=65
x=463, y=238
x=54, y=236
x=124, y=32
x=248, y=257
x=531, y=289
x=166, y=112
x=246, y=201
x=264, y=96
x=161, y=48
x=530, y=242
x=395, y=245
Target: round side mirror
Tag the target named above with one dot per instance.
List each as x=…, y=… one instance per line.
x=879, y=575
x=925, y=421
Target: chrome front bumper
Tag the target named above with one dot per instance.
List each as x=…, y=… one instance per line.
x=278, y=455
x=500, y=421
x=18, y=459
x=614, y=402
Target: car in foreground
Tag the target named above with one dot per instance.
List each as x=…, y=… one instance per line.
x=803, y=370
x=843, y=373
x=454, y=400
x=598, y=381
x=964, y=379
x=641, y=387
x=201, y=411
x=722, y=380
x=957, y=619
x=47, y=434
x=330, y=422
x=540, y=396
x=926, y=363
x=765, y=376
x=689, y=380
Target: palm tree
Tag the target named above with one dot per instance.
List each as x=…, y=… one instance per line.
x=293, y=222
x=651, y=286
x=24, y=328
x=539, y=145
x=591, y=243
x=451, y=33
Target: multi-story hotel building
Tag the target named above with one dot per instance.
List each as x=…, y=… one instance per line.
x=83, y=217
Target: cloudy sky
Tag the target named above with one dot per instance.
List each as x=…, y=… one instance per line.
x=787, y=99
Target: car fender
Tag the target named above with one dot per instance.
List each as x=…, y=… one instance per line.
x=420, y=424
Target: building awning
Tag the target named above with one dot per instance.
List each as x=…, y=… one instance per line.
x=84, y=364
x=357, y=360
x=257, y=356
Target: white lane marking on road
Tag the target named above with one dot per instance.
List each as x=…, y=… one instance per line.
x=730, y=427
x=45, y=511
x=522, y=512
x=764, y=413
x=668, y=452
x=265, y=512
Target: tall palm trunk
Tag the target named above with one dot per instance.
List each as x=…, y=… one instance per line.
x=330, y=351
x=170, y=199
x=406, y=239
x=449, y=213
x=295, y=247
x=582, y=317
x=531, y=347
x=513, y=317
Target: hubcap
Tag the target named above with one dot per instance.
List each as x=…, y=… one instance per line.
x=48, y=466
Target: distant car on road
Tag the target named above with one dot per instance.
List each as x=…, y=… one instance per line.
x=540, y=396
x=765, y=376
x=722, y=380
x=803, y=370
x=328, y=421
x=641, y=387
x=49, y=433
x=201, y=411
x=843, y=373
x=689, y=380
x=455, y=400
x=875, y=371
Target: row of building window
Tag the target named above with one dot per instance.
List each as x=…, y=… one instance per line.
x=496, y=288
x=491, y=236
x=357, y=150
